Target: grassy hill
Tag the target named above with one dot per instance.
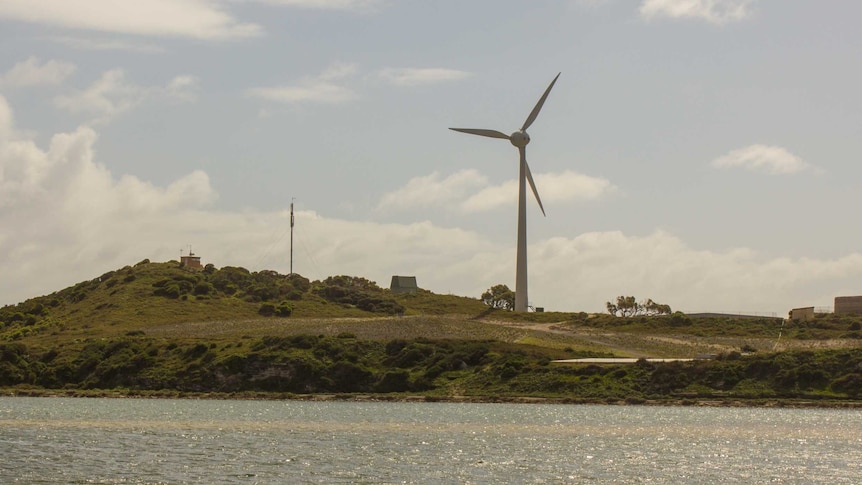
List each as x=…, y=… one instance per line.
x=158, y=327
x=148, y=296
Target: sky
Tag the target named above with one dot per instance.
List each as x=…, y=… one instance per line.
x=701, y=153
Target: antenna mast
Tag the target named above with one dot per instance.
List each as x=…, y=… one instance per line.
x=291, y=234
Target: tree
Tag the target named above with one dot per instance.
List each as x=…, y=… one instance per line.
x=628, y=306
x=652, y=308
x=499, y=296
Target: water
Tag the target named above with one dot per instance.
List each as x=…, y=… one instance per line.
x=60, y=440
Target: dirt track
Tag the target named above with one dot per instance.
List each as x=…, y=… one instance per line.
x=627, y=344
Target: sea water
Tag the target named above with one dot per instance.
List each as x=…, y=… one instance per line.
x=94, y=440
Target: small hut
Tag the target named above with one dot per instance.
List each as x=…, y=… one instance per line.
x=191, y=261
x=802, y=314
x=403, y=284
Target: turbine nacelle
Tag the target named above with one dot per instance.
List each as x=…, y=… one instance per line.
x=519, y=138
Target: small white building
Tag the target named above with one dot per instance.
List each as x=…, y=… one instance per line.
x=802, y=314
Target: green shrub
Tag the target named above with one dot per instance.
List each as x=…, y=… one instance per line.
x=358, y=292
x=850, y=384
x=169, y=291
x=680, y=319
x=266, y=309
x=393, y=347
x=284, y=309
x=394, y=381
x=203, y=288
x=350, y=377
x=196, y=351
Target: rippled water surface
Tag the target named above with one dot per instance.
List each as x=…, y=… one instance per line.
x=59, y=440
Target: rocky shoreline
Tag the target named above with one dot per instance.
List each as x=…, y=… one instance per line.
x=346, y=397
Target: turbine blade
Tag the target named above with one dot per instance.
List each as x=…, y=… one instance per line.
x=476, y=131
x=523, y=151
x=535, y=112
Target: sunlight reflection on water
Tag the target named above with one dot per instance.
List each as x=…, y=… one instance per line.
x=51, y=440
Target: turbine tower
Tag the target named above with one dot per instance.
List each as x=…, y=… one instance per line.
x=520, y=139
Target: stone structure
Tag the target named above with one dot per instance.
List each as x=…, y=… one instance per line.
x=403, y=284
x=848, y=304
x=802, y=314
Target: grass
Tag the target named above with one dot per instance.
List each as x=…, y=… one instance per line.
x=123, y=302
x=154, y=328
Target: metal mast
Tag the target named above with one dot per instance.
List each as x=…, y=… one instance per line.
x=291, y=235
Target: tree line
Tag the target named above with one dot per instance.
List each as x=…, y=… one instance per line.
x=628, y=306
x=502, y=298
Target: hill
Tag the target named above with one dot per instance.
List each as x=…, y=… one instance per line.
x=158, y=327
x=148, y=296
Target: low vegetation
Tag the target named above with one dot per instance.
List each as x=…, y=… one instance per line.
x=305, y=364
x=160, y=328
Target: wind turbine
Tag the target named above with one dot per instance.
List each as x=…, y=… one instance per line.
x=520, y=139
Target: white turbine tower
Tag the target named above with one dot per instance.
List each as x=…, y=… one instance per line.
x=520, y=139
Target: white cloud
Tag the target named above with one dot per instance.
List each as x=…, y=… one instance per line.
x=67, y=178
x=713, y=11
x=199, y=19
x=65, y=218
x=338, y=71
x=7, y=121
x=183, y=88
x=330, y=85
x=108, y=96
x=565, y=186
x=419, y=76
x=312, y=93
x=112, y=94
x=33, y=72
x=62, y=211
x=326, y=4
x=590, y=269
x=324, y=88
x=107, y=45
x=431, y=190
x=762, y=158
x=470, y=191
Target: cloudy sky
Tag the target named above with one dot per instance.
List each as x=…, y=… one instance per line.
x=702, y=153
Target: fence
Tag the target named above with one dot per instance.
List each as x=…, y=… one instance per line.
x=739, y=314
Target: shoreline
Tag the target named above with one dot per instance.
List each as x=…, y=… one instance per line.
x=346, y=397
